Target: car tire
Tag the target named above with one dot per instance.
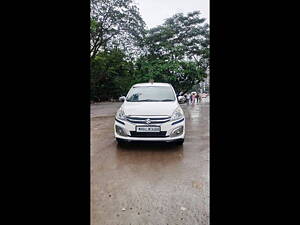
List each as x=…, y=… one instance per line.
x=180, y=142
x=120, y=141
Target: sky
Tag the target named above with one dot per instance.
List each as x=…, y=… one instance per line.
x=154, y=12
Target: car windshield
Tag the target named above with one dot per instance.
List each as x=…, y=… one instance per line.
x=150, y=94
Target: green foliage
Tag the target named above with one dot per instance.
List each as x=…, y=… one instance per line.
x=115, y=23
x=178, y=51
x=123, y=53
x=110, y=75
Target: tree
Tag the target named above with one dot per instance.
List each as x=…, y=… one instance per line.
x=177, y=51
x=115, y=23
x=124, y=53
x=110, y=75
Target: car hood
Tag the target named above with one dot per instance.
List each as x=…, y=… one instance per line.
x=149, y=108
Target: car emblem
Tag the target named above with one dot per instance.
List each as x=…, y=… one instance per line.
x=148, y=121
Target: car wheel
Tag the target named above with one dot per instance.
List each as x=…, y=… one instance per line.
x=180, y=142
x=120, y=141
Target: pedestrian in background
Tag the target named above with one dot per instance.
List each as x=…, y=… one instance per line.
x=203, y=97
x=188, y=98
x=197, y=97
x=193, y=98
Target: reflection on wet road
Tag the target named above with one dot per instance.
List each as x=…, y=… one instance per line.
x=149, y=183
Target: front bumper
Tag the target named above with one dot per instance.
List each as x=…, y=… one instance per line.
x=167, y=128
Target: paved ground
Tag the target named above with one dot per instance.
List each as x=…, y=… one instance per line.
x=153, y=183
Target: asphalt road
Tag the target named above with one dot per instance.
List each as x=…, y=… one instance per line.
x=149, y=183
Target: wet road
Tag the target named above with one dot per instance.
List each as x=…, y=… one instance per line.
x=149, y=183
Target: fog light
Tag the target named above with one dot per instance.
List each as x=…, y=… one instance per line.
x=177, y=131
x=120, y=131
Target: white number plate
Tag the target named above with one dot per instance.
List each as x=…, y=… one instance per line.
x=147, y=129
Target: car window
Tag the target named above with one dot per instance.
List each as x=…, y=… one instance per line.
x=150, y=94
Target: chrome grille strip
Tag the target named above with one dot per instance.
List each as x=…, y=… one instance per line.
x=141, y=122
x=154, y=120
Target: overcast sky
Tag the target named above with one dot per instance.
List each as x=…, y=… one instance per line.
x=154, y=12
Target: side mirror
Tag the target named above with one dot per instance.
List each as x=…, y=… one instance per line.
x=122, y=98
x=181, y=99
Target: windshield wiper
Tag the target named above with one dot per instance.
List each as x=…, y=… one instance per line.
x=152, y=100
x=166, y=100
x=147, y=100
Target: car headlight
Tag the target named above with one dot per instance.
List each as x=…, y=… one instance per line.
x=121, y=115
x=177, y=114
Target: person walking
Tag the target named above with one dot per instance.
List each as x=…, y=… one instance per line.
x=203, y=97
x=197, y=97
x=193, y=98
x=188, y=98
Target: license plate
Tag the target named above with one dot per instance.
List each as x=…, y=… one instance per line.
x=148, y=129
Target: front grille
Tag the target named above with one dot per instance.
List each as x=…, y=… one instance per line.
x=153, y=120
x=148, y=134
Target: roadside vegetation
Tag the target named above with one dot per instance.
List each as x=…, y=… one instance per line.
x=123, y=51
